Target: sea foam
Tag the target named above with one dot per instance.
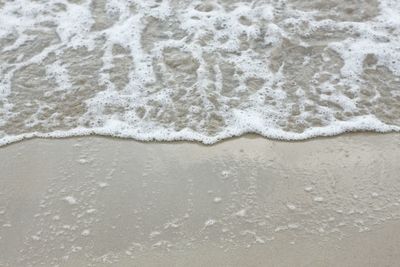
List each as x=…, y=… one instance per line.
x=198, y=70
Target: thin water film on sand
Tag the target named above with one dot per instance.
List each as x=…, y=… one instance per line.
x=198, y=70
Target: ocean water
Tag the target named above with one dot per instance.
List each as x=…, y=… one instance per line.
x=198, y=70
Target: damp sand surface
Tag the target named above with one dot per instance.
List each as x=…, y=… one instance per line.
x=249, y=201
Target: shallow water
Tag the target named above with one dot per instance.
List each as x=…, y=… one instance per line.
x=198, y=70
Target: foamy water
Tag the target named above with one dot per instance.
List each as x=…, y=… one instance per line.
x=198, y=70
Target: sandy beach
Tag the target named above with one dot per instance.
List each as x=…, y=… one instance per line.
x=248, y=201
x=124, y=133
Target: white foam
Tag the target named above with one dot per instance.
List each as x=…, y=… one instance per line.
x=220, y=54
x=70, y=200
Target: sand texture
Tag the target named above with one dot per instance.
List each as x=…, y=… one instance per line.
x=249, y=201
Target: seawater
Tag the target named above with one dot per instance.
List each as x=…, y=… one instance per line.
x=198, y=70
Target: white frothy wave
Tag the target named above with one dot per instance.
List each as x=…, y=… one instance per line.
x=198, y=70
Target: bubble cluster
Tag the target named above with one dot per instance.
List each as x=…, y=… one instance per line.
x=198, y=70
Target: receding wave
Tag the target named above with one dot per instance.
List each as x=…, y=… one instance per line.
x=198, y=70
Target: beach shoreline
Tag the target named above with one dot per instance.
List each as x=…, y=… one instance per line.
x=98, y=201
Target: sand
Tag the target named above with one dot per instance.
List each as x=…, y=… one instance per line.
x=248, y=201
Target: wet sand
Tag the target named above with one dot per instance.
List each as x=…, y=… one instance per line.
x=248, y=201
